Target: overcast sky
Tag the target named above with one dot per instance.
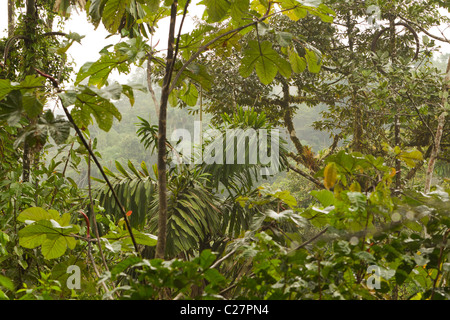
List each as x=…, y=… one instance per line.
x=95, y=40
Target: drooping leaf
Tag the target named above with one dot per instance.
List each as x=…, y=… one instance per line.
x=99, y=71
x=31, y=105
x=90, y=103
x=330, y=175
x=6, y=283
x=11, y=108
x=314, y=63
x=113, y=13
x=5, y=88
x=410, y=157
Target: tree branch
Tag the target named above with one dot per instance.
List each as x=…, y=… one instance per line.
x=211, y=42
x=307, y=176
x=94, y=157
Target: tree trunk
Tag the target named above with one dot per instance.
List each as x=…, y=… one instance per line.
x=397, y=138
x=31, y=23
x=150, y=86
x=304, y=154
x=439, y=131
x=162, y=137
x=357, y=114
x=11, y=18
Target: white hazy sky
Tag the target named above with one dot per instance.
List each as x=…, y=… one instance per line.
x=95, y=40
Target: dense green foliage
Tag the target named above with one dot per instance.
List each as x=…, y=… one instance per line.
x=347, y=214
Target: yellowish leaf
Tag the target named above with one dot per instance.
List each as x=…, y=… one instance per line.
x=330, y=175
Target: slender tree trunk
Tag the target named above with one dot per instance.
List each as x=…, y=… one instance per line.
x=150, y=85
x=439, y=132
x=393, y=51
x=304, y=155
x=31, y=23
x=162, y=137
x=398, y=166
x=11, y=18
x=357, y=114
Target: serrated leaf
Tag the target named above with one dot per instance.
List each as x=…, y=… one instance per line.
x=265, y=60
x=206, y=259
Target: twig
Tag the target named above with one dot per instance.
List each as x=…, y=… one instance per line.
x=223, y=258
x=94, y=219
x=304, y=244
x=425, y=31
x=307, y=176
x=55, y=191
x=444, y=243
x=420, y=115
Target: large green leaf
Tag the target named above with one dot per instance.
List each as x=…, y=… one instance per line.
x=314, y=61
x=48, y=230
x=34, y=214
x=35, y=234
x=325, y=197
x=411, y=157
x=295, y=11
x=265, y=60
x=5, y=88
x=216, y=9
x=31, y=105
x=298, y=63
x=11, y=108
x=238, y=9
x=99, y=71
x=55, y=246
x=113, y=13
x=90, y=103
x=190, y=95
